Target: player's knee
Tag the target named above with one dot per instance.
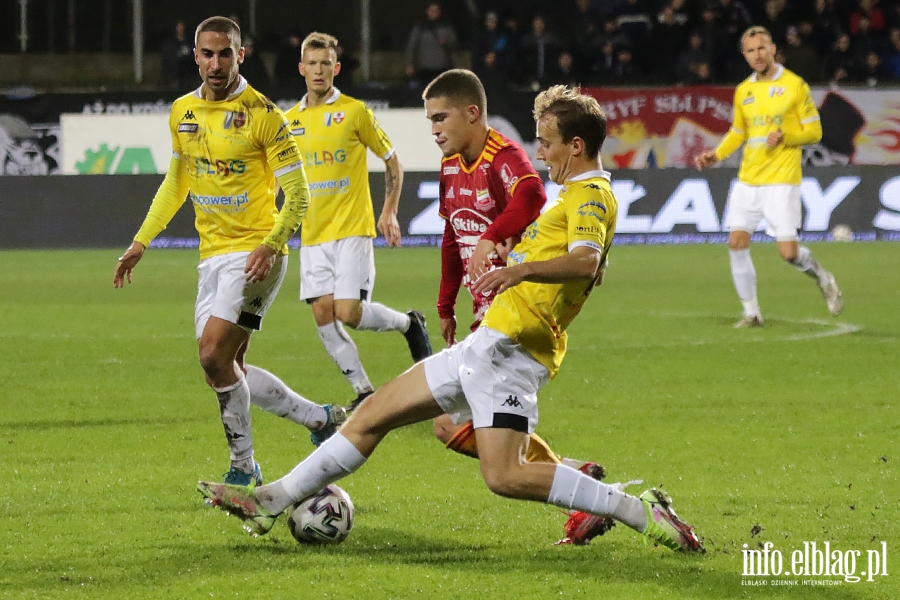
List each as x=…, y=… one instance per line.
x=211, y=360
x=503, y=482
x=789, y=255
x=443, y=428
x=348, y=313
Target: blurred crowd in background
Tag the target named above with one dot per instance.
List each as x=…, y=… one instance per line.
x=530, y=44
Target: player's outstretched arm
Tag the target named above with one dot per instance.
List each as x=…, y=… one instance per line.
x=127, y=262
x=388, y=224
x=582, y=263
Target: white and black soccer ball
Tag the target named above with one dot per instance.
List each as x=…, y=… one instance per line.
x=323, y=518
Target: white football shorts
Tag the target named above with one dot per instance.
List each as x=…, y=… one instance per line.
x=344, y=268
x=223, y=291
x=488, y=378
x=779, y=205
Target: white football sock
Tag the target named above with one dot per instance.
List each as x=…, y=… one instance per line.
x=234, y=405
x=334, y=459
x=378, y=317
x=572, y=489
x=343, y=351
x=272, y=395
x=744, y=275
x=805, y=263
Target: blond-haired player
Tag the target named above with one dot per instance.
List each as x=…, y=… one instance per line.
x=229, y=147
x=495, y=374
x=337, y=264
x=774, y=116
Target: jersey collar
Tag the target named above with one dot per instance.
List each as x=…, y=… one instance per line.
x=335, y=94
x=590, y=175
x=778, y=73
x=241, y=86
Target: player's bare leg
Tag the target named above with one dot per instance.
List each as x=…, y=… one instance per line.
x=743, y=274
x=801, y=257
x=508, y=474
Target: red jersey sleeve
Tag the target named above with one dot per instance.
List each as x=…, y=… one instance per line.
x=451, y=273
x=525, y=194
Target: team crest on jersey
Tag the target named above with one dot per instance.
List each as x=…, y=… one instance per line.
x=775, y=91
x=483, y=200
x=450, y=193
x=335, y=117
x=238, y=119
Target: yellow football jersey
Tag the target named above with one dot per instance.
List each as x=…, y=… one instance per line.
x=536, y=315
x=227, y=155
x=761, y=108
x=333, y=138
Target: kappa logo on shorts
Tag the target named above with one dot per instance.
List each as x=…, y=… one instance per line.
x=256, y=303
x=512, y=401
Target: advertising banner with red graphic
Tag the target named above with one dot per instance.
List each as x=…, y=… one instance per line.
x=669, y=127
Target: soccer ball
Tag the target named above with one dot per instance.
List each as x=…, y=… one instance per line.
x=323, y=518
x=842, y=233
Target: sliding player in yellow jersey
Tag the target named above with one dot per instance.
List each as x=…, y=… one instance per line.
x=774, y=116
x=494, y=375
x=229, y=146
x=337, y=266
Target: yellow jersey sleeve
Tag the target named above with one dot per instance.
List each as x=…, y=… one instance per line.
x=737, y=133
x=810, y=125
x=372, y=135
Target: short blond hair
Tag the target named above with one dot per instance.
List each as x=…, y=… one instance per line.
x=319, y=41
x=755, y=30
x=577, y=115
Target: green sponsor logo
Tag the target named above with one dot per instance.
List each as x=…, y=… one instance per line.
x=127, y=161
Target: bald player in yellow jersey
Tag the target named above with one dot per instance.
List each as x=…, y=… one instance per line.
x=774, y=116
x=229, y=146
x=494, y=375
x=337, y=265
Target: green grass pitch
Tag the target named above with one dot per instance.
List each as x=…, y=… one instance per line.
x=786, y=435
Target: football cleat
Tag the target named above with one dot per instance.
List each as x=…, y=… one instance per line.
x=359, y=400
x=417, y=337
x=582, y=527
x=663, y=525
x=336, y=417
x=238, y=477
x=832, y=294
x=749, y=321
x=593, y=470
x=239, y=501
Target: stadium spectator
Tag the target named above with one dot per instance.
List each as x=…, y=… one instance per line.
x=337, y=264
x=892, y=57
x=801, y=58
x=866, y=41
x=826, y=27
x=715, y=40
x=869, y=10
x=627, y=71
x=243, y=241
x=492, y=39
x=349, y=65
x=514, y=352
x=582, y=22
x=670, y=34
x=694, y=62
x=537, y=53
x=253, y=68
x=430, y=47
x=633, y=18
x=565, y=70
x=177, y=60
x=872, y=72
x=602, y=69
x=769, y=178
x=287, y=61
x=842, y=65
x=776, y=21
